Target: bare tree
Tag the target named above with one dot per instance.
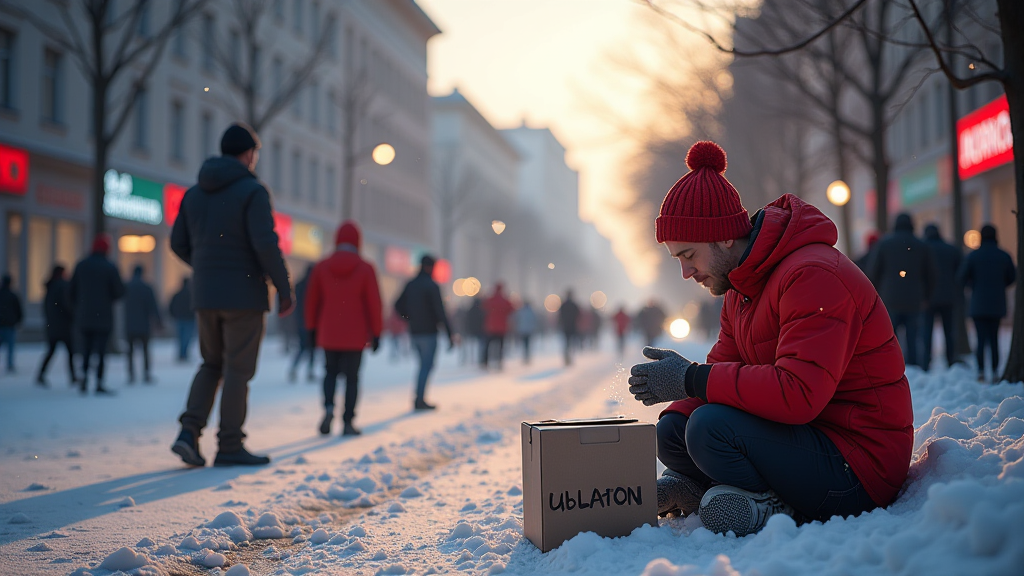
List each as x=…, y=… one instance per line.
x=960, y=47
x=245, y=70
x=455, y=187
x=116, y=52
x=355, y=101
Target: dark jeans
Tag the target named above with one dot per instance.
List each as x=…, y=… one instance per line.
x=494, y=347
x=94, y=342
x=426, y=347
x=229, y=341
x=8, y=336
x=144, y=341
x=988, y=337
x=946, y=314
x=570, y=342
x=186, y=331
x=526, y=348
x=306, y=348
x=51, y=350
x=346, y=363
x=909, y=342
x=724, y=445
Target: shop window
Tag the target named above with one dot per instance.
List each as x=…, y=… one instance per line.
x=296, y=191
x=70, y=241
x=330, y=184
x=141, y=113
x=40, y=253
x=206, y=135
x=7, y=69
x=209, y=37
x=177, y=129
x=52, y=86
x=314, y=181
x=15, y=223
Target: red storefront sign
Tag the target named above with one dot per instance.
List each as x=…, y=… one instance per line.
x=397, y=261
x=283, y=227
x=442, y=271
x=13, y=170
x=173, y=195
x=984, y=138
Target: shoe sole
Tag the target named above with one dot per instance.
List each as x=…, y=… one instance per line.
x=726, y=512
x=187, y=454
x=226, y=464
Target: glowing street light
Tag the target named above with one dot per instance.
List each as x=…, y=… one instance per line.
x=598, y=299
x=838, y=193
x=972, y=239
x=384, y=154
x=552, y=303
x=679, y=328
x=551, y=265
x=498, y=226
x=471, y=286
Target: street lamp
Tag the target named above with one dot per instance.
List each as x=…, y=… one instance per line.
x=383, y=154
x=498, y=226
x=838, y=194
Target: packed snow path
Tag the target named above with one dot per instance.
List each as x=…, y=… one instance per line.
x=88, y=485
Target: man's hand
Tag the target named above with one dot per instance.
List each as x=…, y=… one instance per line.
x=663, y=380
x=285, y=305
x=375, y=344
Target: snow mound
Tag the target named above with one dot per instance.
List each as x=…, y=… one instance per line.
x=225, y=520
x=19, y=518
x=396, y=508
x=126, y=502
x=41, y=547
x=145, y=543
x=238, y=570
x=36, y=487
x=124, y=559
x=336, y=492
x=268, y=526
x=319, y=536
x=411, y=492
x=357, y=532
x=393, y=569
x=214, y=560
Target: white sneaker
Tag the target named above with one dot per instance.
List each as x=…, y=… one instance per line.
x=727, y=508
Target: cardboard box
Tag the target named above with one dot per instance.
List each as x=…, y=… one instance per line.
x=587, y=475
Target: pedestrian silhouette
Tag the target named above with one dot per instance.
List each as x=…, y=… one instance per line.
x=987, y=272
x=306, y=346
x=95, y=286
x=526, y=326
x=59, y=319
x=140, y=313
x=10, y=317
x=184, y=315
x=497, y=309
x=944, y=295
x=651, y=320
x=622, y=322
x=568, y=322
x=420, y=303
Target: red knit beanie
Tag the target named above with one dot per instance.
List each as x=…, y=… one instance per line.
x=348, y=233
x=702, y=206
x=101, y=244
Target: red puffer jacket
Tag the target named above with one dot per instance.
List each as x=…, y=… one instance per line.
x=805, y=339
x=497, y=309
x=343, y=302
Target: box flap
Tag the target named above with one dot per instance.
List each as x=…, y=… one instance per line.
x=610, y=420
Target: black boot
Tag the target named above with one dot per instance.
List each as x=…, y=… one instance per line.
x=351, y=430
x=325, y=425
x=101, y=391
x=187, y=447
x=422, y=405
x=240, y=457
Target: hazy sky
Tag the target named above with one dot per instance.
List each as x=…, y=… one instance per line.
x=548, y=62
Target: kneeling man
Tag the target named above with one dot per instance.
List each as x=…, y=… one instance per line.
x=803, y=407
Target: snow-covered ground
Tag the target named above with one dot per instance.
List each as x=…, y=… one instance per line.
x=89, y=486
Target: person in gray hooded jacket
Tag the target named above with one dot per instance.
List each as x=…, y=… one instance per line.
x=225, y=232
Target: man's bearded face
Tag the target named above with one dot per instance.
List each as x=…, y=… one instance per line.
x=708, y=264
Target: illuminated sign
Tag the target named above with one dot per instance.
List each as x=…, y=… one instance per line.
x=131, y=198
x=919, y=185
x=442, y=271
x=307, y=240
x=397, y=260
x=173, y=195
x=13, y=170
x=984, y=138
x=283, y=227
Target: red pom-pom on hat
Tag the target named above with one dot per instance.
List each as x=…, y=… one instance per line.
x=706, y=154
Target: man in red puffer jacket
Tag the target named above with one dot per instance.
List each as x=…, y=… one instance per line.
x=343, y=315
x=497, y=309
x=802, y=406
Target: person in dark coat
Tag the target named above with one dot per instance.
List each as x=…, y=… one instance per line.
x=306, y=347
x=95, y=286
x=225, y=232
x=59, y=317
x=184, y=315
x=651, y=319
x=420, y=303
x=568, y=323
x=473, y=328
x=343, y=315
x=140, y=313
x=10, y=316
x=988, y=272
x=903, y=271
x=865, y=258
x=944, y=294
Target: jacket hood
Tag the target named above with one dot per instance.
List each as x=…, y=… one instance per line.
x=348, y=233
x=342, y=263
x=220, y=172
x=903, y=223
x=931, y=232
x=788, y=225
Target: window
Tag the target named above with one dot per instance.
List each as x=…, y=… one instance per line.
x=15, y=223
x=296, y=174
x=257, y=63
x=141, y=136
x=297, y=16
x=275, y=165
x=209, y=48
x=924, y=134
x=332, y=115
x=235, y=45
x=277, y=75
x=314, y=104
x=315, y=21
x=297, y=104
x=177, y=130
x=40, y=252
x=332, y=41
x=69, y=246
x=180, y=45
x=941, y=113
x=329, y=185
x=206, y=135
x=6, y=69
x=314, y=181
x=52, y=86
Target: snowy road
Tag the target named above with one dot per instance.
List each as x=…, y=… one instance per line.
x=88, y=485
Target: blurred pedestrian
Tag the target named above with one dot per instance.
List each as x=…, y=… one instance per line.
x=397, y=329
x=497, y=309
x=184, y=315
x=421, y=305
x=651, y=320
x=225, y=232
x=988, y=272
x=902, y=268
x=95, y=286
x=709, y=317
x=526, y=326
x=474, y=330
x=343, y=316
x=568, y=322
x=59, y=317
x=865, y=258
x=10, y=317
x=306, y=346
x=140, y=313
x=944, y=295
x=622, y=322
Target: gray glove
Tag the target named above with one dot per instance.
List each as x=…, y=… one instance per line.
x=663, y=380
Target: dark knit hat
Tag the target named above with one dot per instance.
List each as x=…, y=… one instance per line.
x=101, y=244
x=238, y=138
x=348, y=233
x=702, y=206
x=988, y=232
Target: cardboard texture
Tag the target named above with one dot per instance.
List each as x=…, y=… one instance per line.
x=587, y=475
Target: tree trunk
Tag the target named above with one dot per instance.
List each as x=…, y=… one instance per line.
x=101, y=143
x=1011, y=13
x=881, y=166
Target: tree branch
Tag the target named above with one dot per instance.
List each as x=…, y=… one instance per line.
x=997, y=75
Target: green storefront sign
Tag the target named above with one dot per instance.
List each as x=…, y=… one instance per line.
x=132, y=198
x=919, y=185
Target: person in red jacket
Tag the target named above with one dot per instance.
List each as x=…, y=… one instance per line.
x=802, y=406
x=497, y=309
x=343, y=315
x=622, y=321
